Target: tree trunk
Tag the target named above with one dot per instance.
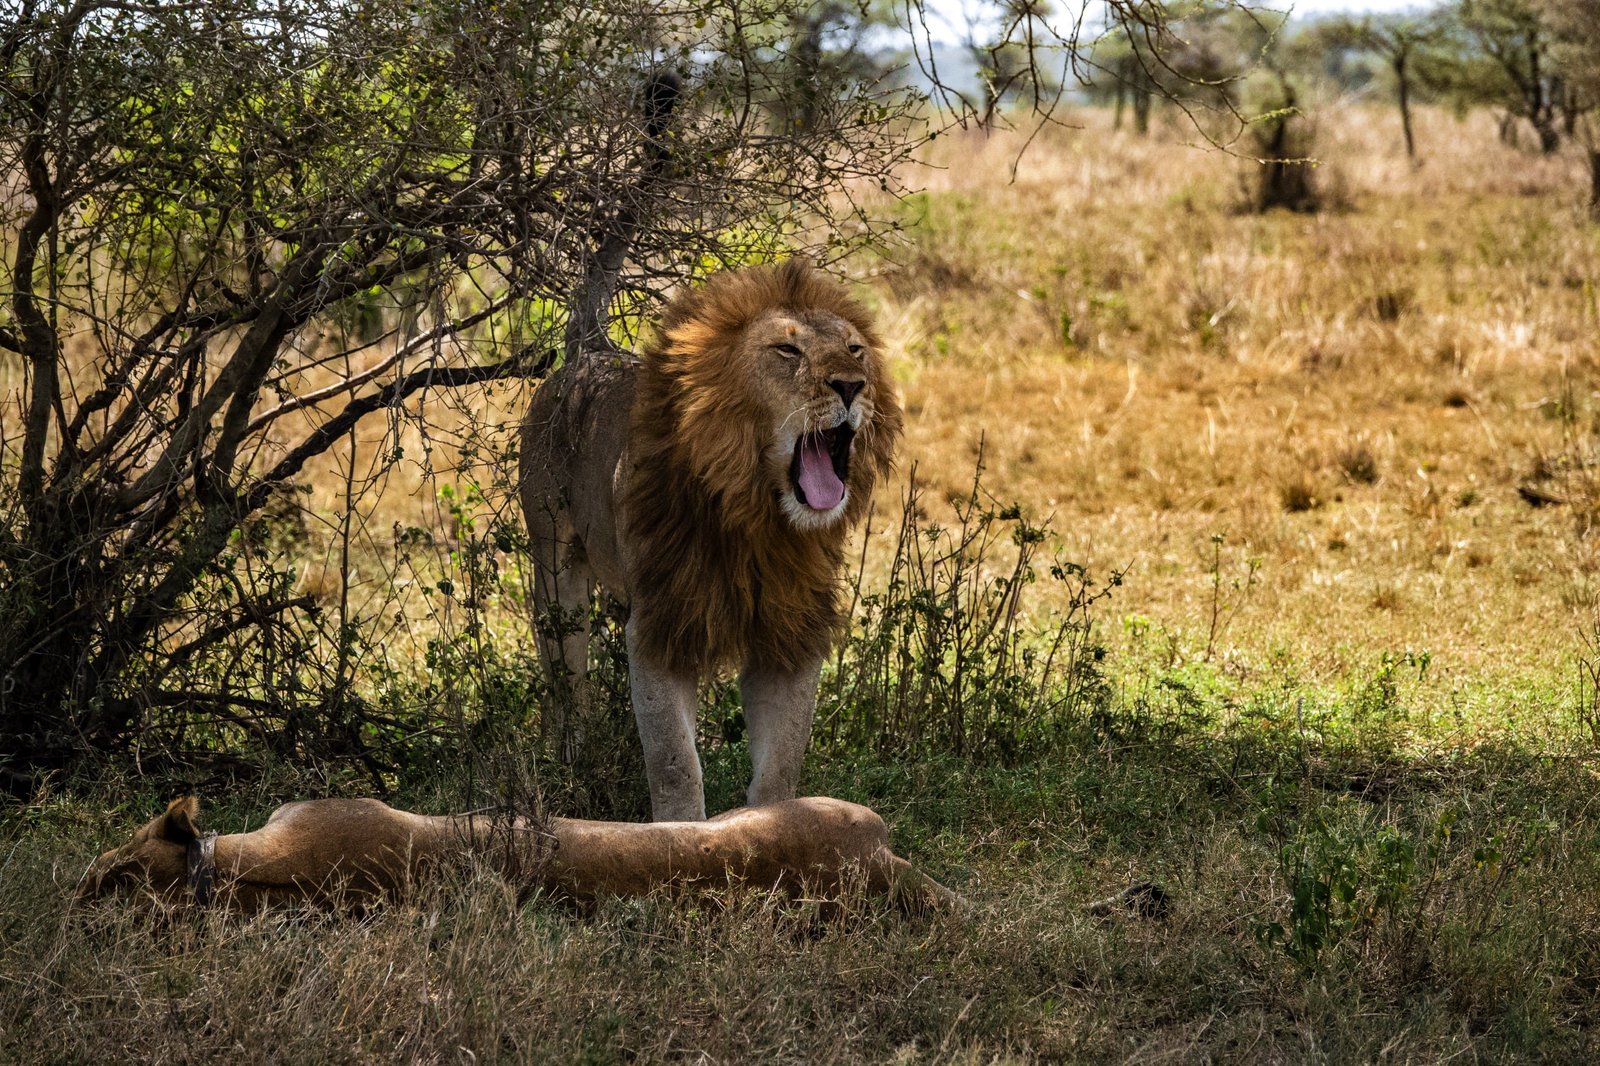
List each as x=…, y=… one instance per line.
x=1402, y=76
x=1541, y=108
x=1142, y=99
x=1549, y=136
x=1508, y=130
x=49, y=682
x=1571, y=108
x=1594, y=183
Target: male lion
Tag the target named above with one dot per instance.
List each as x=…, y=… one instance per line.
x=350, y=852
x=709, y=485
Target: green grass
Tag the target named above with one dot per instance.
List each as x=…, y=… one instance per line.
x=1338, y=895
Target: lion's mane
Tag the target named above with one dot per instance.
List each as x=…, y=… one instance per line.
x=721, y=577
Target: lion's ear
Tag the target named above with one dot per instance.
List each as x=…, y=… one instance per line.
x=180, y=823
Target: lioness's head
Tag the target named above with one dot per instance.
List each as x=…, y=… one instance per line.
x=775, y=391
x=156, y=859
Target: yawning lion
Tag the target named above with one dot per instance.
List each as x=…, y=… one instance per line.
x=709, y=486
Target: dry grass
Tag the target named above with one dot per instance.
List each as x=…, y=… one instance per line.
x=1342, y=733
x=1154, y=369
x=1486, y=947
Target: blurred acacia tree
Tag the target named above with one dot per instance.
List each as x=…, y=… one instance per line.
x=830, y=42
x=1195, y=55
x=1509, y=62
x=1409, y=45
x=1576, y=52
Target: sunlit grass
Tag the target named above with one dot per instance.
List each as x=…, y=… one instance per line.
x=1156, y=369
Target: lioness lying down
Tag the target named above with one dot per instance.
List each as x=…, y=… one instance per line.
x=346, y=852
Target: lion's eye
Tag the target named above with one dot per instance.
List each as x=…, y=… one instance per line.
x=855, y=349
x=787, y=349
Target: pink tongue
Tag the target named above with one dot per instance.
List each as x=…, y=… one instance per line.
x=822, y=486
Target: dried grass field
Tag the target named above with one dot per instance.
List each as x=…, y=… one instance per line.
x=1340, y=703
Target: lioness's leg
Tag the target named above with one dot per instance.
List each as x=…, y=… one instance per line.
x=664, y=706
x=778, y=707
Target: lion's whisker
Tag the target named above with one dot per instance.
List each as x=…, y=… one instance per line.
x=805, y=425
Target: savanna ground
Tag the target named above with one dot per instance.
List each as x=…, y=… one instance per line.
x=1338, y=704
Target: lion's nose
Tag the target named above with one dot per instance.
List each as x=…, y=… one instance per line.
x=847, y=390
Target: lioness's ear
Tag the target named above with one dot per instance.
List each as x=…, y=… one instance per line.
x=180, y=823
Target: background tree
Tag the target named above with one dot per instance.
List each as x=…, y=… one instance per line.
x=1194, y=56
x=1133, y=79
x=1576, y=27
x=1128, y=63
x=1280, y=136
x=1014, y=51
x=1404, y=42
x=1516, y=69
x=829, y=43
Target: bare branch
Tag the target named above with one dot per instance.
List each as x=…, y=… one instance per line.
x=524, y=364
x=435, y=336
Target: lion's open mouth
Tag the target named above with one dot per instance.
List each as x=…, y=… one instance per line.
x=820, y=465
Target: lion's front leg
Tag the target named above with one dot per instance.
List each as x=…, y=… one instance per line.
x=778, y=708
x=664, y=706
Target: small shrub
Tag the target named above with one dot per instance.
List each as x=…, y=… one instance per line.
x=1387, y=597
x=1358, y=464
x=944, y=660
x=1228, y=591
x=1298, y=494
x=1283, y=140
x=1342, y=873
x=1390, y=304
